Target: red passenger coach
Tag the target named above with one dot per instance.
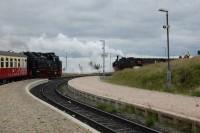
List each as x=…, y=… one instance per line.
x=12, y=66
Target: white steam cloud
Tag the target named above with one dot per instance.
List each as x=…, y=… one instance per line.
x=62, y=43
x=80, y=53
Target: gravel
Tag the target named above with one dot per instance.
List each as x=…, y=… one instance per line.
x=21, y=113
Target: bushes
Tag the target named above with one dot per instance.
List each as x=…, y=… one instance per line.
x=185, y=77
x=112, y=109
x=151, y=119
x=107, y=108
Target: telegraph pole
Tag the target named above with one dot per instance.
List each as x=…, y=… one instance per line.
x=110, y=63
x=103, y=55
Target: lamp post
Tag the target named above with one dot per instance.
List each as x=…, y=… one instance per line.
x=169, y=75
x=103, y=55
x=66, y=62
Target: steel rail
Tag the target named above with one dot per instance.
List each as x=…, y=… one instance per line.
x=100, y=120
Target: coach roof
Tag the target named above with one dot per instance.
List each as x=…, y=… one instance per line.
x=11, y=53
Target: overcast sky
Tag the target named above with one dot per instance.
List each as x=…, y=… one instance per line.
x=130, y=27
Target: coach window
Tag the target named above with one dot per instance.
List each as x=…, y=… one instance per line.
x=22, y=63
x=25, y=63
x=18, y=62
x=15, y=63
x=11, y=62
x=2, y=62
x=7, y=63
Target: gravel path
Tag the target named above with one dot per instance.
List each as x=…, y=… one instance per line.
x=20, y=113
x=165, y=102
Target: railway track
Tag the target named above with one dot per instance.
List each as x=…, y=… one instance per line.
x=98, y=119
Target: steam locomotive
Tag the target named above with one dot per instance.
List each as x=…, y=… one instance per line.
x=130, y=62
x=16, y=66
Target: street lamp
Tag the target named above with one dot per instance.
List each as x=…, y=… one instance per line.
x=66, y=62
x=169, y=75
x=103, y=55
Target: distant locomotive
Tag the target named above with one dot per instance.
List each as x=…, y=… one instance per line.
x=15, y=66
x=131, y=62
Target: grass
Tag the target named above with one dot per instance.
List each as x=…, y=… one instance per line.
x=107, y=108
x=61, y=88
x=185, y=77
x=112, y=109
x=127, y=109
x=151, y=119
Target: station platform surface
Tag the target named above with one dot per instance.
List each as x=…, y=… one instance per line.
x=178, y=105
x=21, y=113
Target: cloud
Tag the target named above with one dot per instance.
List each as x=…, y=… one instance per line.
x=74, y=47
x=12, y=43
x=79, y=53
x=131, y=26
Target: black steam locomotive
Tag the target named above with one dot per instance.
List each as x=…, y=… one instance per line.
x=17, y=66
x=43, y=65
x=130, y=62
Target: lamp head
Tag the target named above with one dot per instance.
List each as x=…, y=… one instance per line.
x=162, y=10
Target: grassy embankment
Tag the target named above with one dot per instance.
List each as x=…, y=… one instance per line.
x=185, y=77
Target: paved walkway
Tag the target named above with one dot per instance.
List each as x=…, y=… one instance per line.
x=20, y=113
x=170, y=103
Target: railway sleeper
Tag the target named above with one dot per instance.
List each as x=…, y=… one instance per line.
x=89, y=115
x=119, y=126
x=125, y=129
x=111, y=124
x=81, y=112
x=100, y=119
x=115, y=126
x=69, y=105
x=76, y=108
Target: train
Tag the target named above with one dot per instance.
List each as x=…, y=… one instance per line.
x=130, y=62
x=16, y=66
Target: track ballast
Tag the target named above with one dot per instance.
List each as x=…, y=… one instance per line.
x=98, y=119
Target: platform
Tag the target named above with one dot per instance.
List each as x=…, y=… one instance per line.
x=21, y=113
x=177, y=105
